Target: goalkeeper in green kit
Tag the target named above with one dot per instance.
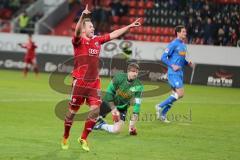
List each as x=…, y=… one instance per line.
x=122, y=89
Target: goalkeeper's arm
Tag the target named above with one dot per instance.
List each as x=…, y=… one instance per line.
x=134, y=118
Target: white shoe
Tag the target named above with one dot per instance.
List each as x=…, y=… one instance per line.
x=158, y=109
x=164, y=119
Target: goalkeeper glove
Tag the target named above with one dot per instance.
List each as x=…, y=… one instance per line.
x=133, y=131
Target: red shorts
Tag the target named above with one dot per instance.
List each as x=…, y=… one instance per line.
x=89, y=91
x=30, y=60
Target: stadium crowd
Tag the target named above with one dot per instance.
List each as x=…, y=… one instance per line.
x=217, y=24
x=9, y=7
x=207, y=21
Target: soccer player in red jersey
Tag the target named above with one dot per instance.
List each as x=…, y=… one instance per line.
x=30, y=56
x=86, y=81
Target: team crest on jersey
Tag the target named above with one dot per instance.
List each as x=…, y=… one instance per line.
x=123, y=94
x=182, y=53
x=96, y=44
x=166, y=50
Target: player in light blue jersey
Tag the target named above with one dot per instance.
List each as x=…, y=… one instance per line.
x=174, y=58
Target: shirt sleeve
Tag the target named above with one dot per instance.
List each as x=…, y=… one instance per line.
x=186, y=62
x=138, y=100
x=167, y=54
x=76, y=40
x=24, y=45
x=104, y=38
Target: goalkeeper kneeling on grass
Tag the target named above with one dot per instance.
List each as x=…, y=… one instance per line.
x=121, y=90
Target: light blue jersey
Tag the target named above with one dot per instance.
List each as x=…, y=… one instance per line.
x=175, y=53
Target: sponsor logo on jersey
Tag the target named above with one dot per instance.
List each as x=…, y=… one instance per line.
x=182, y=53
x=93, y=52
x=166, y=50
x=96, y=44
x=123, y=94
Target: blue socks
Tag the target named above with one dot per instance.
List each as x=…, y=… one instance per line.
x=166, y=105
x=165, y=110
x=168, y=101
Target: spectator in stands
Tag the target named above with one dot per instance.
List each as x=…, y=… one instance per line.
x=105, y=19
x=205, y=12
x=222, y=18
x=202, y=18
x=233, y=37
x=207, y=32
x=197, y=4
x=23, y=22
x=14, y=4
x=101, y=17
x=4, y=4
x=190, y=30
x=116, y=6
x=173, y=4
x=220, y=40
x=215, y=30
x=96, y=16
x=123, y=10
x=198, y=30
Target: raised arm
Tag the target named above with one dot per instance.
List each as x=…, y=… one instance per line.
x=22, y=45
x=166, y=56
x=121, y=31
x=79, y=23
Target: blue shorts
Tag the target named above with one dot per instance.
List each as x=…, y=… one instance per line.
x=175, y=81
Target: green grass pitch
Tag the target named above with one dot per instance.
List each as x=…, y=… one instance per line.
x=206, y=125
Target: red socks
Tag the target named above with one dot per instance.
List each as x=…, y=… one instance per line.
x=67, y=127
x=89, y=124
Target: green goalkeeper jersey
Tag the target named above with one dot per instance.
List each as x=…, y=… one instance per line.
x=121, y=91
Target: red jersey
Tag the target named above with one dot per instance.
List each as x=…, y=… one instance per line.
x=86, y=57
x=30, y=46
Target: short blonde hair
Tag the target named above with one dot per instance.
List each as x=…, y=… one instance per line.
x=86, y=20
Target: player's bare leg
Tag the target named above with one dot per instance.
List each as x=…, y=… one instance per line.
x=89, y=124
x=180, y=92
x=114, y=128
